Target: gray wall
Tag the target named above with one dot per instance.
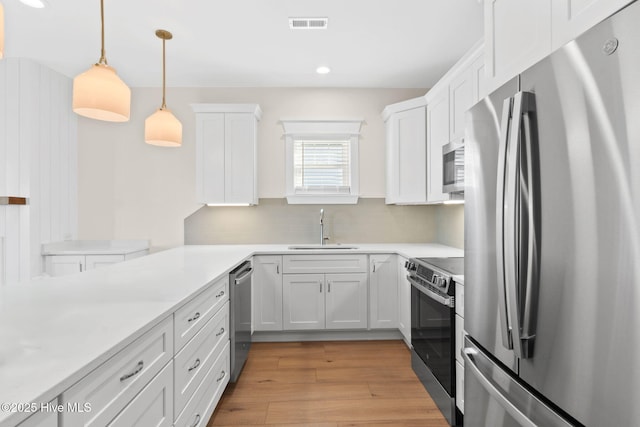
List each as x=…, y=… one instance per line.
x=370, y=221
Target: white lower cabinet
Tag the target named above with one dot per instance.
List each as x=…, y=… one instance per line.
x=267, y=292
x=43, y=418
x=111, y=386
x=383, y=282
x=196, y=358
x=459, y=344
x=324, y=301
x=404, y=301
x=61, y=265
x=200, y=407
x=460, y=386
x=153, y=406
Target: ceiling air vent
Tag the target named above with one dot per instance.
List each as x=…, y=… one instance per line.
x=308, y=23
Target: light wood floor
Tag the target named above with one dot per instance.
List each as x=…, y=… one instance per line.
x=328, y=384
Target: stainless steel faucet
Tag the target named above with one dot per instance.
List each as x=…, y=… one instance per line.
x=321, y=227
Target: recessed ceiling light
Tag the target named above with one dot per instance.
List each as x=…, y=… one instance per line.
x=323, y=70
x=38, y=4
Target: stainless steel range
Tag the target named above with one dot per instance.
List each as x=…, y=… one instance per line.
x=433, y=328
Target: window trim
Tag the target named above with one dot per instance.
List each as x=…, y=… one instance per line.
x=325, y=129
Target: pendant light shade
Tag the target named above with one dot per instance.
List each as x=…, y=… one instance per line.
x=1, y=31
x=99, y=93
x=162, y=128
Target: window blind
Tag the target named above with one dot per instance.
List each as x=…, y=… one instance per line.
x=322, y=166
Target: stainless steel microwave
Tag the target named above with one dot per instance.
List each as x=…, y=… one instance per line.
x=453, y=167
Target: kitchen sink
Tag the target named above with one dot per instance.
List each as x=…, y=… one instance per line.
x=314, y=247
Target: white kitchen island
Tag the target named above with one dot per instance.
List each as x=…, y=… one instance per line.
x=56, y=331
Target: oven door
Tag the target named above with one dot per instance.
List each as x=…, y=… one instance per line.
x=432, y=333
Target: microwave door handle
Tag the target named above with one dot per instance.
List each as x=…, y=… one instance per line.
x=500, y=195
x=530, y=224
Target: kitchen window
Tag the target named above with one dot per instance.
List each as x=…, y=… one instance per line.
x=322, y=161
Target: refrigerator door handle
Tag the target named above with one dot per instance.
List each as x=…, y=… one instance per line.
x=530, y=224
x=470, y=365
x=503, y=308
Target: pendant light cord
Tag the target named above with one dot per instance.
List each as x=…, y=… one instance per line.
x=164, y=86
x=103, y=57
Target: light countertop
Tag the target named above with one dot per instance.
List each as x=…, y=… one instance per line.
x=55, y=331
x=95, y=247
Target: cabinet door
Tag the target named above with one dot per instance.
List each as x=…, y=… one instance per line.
x=210, y=157
x=346, y=301
x=460, y=386
x=61, y=265
x=240, y=158
x=404, y=302
x=517, y=34
x=267, y=293
x=570, y=18
x=438, y=136
x=43, y=418
x=410, y=169
x=383, y=278
x=461, y=99
x=97, y=261
x=478, y=80
x=303, y=301
x=391, y=151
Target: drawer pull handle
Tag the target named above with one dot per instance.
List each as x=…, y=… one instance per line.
x=222, y=375
x=197, y=421
x=221, y=332
x=139, y=368
x=195, y=365
x=195, y=317
x=220, y=294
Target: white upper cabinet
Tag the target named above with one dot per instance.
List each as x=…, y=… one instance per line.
x=460, y=100
x=478, y=78
x=406, y=152
x=570, y=18
x=226, y=153
x=517, y=34
x=437, y=136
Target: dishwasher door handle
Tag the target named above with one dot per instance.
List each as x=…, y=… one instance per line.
x=243, y=277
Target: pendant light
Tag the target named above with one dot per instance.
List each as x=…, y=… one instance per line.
x=162, y=127
x=1, y=31
x=99, y=93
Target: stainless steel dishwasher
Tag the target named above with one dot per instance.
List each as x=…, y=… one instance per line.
x=240, y=319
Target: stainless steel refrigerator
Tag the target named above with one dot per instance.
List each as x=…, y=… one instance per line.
x=552, y=239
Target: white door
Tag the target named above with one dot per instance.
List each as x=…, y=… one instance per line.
x=517, y=33
x=61, y=265
x=239, y=158
x=383, y=278
x=97, y=261
x=438, y=136
x=210, y=164
x=346, y=301
x=411, y=155
x=461, y=99
x=267, y=293
x=478, y=80
x=404, y=301
x=303, y=301
x=570, y=18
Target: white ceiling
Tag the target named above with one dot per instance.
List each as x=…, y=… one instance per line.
x=248, y=43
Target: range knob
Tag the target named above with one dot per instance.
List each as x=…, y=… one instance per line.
x=439, y=281
x=410, y=266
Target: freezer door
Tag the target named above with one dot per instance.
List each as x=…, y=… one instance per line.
x=587, y=340
x=485, y=304
x=493, y=398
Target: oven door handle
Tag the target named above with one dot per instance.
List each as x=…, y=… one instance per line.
x=448, y=301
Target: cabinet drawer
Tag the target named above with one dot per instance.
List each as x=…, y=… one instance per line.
x=153, y=406
x=193, y=315
x=340, y=263
x=115, y=383
x=459, y=299
x=201, y=406
x=195, y=359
